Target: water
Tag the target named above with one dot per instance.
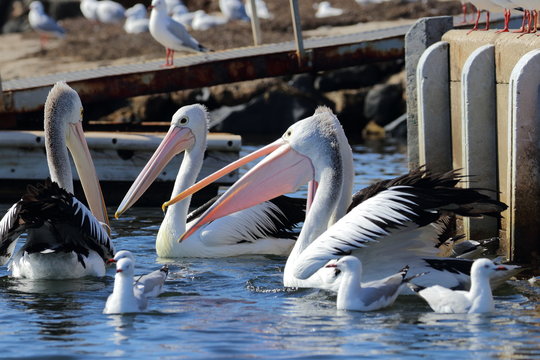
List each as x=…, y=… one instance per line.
x=236, y=308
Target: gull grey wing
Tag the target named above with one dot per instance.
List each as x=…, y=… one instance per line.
x=11, y=227
x=50, y=25
x=150, y=285
x=184, y=38
x=385, y=288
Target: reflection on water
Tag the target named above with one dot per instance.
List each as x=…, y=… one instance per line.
x=237, y=308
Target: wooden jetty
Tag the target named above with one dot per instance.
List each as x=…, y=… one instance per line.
x=118, y=158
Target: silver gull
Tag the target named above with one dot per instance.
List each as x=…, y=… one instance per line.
x=43, y=24
x=478, y=299
x=170, y=33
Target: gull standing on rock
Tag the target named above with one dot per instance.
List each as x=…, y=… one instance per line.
x=136, y=20
x=110, y=12
x=233, y=10
x=478, y=300
x=325, y=9
x=170, y=33
x=374, y=295
x=43, y=24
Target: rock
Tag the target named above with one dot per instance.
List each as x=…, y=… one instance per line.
x=384, y=103
x=349, y=107
x=348, y=78
x=64, y=9
x=269, y=114
x=303, y=82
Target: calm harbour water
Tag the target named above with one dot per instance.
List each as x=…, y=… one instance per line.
x=237, y=308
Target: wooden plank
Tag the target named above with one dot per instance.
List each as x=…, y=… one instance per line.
x=479, y=133
x=434, y=139
x=117, y=157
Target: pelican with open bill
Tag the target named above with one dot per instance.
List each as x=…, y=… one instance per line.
x=263, y=229
x=397, y=222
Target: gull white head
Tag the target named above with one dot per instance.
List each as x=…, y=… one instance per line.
x=485, y=269
x=125, y=267
x=159, y=5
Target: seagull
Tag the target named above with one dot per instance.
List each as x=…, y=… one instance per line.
x=110, y=12
x=375, y=295
x=203, y=21
x=64, y=238
x=170, y=33
x=126, y=296
x=488, y=6
x=149, y=285
x=262, y=10
x=43, y=24
x=233, y=10
x=181, y=14
x=325, y=9
x=136, y=20
x=477, y=300
x=88, y=9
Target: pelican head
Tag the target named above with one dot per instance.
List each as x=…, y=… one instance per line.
x=307, y=152
x=63, y=130
x=189, y=127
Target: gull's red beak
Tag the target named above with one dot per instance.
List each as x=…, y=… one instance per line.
x=110, y=261
x=501, y=268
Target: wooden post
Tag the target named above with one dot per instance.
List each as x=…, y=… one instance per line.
x=434, y=134
x=479, y=133
x=524, y=159
x=255, y=24
x=301, y=53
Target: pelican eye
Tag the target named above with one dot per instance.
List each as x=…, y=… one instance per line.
x=288, y=134
x=183, y=121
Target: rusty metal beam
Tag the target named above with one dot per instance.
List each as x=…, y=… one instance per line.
x=208, y=69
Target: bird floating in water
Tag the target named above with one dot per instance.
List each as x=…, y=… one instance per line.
x=149, y=285
x=128, y=297
x=392, y=222
x=375, y=295
x=170, y=33
x=64, y=239
x=478, y=299
x=43, y=24
x=264, y=229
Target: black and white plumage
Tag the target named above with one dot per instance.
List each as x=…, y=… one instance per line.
x=399, y=220
x=58, y=227
x=478, y=299
x=374, y=295
x=170, y=33
x=64, y=238
x=265, y=228
x=396, y=223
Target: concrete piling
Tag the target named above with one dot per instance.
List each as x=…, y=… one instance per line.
x=492, y=84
